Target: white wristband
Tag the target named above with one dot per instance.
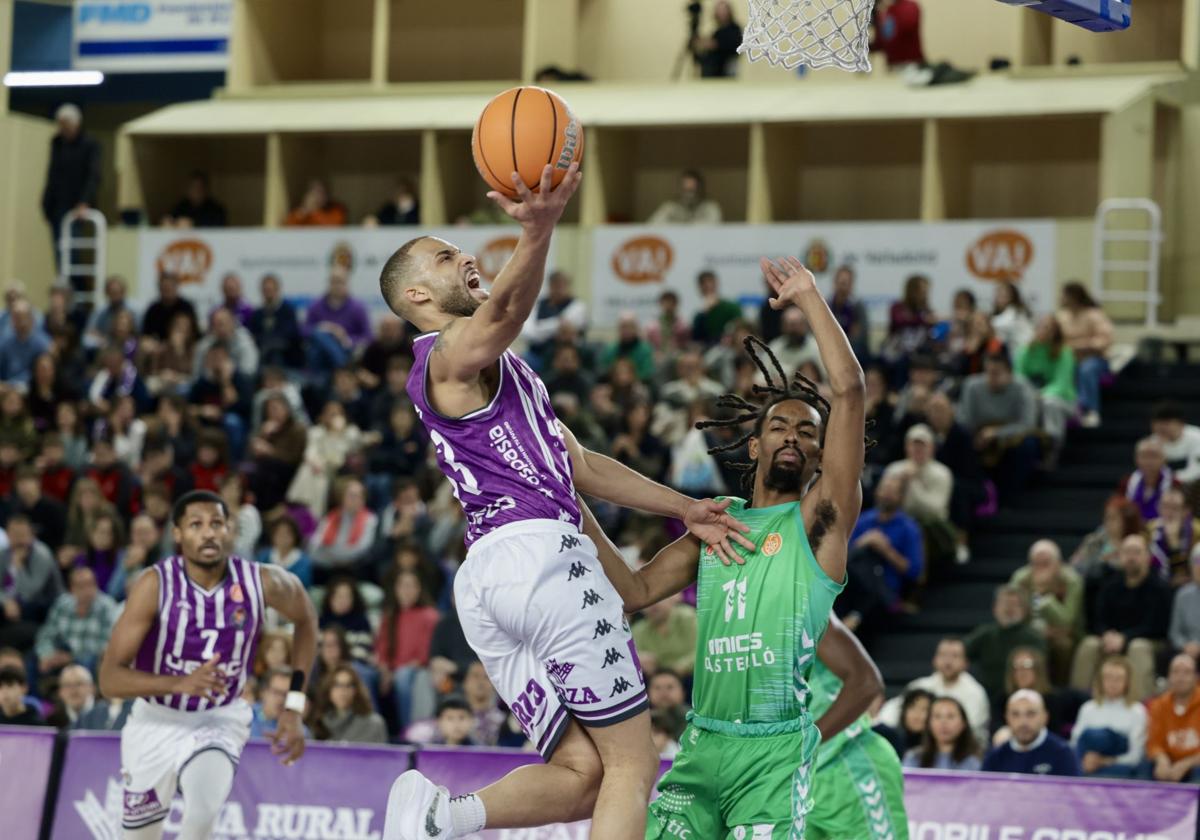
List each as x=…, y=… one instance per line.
x=296, y=702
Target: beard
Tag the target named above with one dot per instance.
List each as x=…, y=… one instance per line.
x=459, y=302
x=786, y=478
x=205, y=562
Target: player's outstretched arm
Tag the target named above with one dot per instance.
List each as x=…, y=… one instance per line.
x=843, y=654
x=119, y=680
x=604, y=478
x=472, y=344
x=844, y=448
x=671, y=570
x=283, y=591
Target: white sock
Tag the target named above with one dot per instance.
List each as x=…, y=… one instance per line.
x=467, y=815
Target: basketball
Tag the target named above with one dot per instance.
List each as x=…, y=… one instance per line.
x=522, y=130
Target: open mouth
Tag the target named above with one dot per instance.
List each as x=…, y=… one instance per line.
x=472, y=279
x=210, y=547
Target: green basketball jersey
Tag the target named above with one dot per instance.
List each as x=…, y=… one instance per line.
x=825, y=687
x=759, y=623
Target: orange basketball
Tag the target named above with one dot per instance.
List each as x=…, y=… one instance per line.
x=522, y=130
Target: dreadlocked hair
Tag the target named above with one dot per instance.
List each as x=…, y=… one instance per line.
x=777, y=389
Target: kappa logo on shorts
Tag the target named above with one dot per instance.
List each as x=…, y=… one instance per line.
x=568, y=542
x=620, y=686
x=603, y=628
x=772, y=544
x=577, y=570
x=612, y=657
x=590, y=599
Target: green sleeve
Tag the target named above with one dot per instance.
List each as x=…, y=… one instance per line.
x=1063, y=384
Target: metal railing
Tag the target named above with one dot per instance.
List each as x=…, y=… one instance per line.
x=1150, y=234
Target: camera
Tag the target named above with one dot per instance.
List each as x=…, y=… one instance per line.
x=693, y=10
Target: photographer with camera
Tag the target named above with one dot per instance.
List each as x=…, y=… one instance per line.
x=715, y=54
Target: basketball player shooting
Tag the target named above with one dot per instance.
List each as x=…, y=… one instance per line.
x=184, y=647
x=747, y=759
x=533, y=601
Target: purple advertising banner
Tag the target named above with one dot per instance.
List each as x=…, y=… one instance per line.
x=25, y=756
x=992, y=806
x=463, y=772
x=332, y=793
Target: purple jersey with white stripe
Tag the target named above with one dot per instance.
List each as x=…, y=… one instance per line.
x=506, y=462
x=195, y=624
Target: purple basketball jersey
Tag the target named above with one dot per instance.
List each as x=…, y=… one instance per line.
x=195, y=624
x=506, y=462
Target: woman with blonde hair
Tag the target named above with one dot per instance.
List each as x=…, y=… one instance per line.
x=1110, y=734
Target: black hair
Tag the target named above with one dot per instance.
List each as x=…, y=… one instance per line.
x=394, y=275
x=12, y=675
x=778, y=389
x=669, y=673
x=452, y=701
x=1168, y=410
x=1000, y=356
x=196, y=497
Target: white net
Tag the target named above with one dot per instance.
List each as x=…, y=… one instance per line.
x=816, y=33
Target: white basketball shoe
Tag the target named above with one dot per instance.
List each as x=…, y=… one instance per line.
x=417, y=809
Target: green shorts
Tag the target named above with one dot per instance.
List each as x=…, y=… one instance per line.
x=859, y=793
x=753, y=785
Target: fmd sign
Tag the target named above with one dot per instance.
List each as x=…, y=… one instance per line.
x=141, y=36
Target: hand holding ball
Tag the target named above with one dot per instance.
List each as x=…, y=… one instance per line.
x=523, y=130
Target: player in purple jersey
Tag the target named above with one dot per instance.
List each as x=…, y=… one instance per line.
x=184, y=647
x=532, y=597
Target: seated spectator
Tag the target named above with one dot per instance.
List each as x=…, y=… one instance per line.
x=689, y=207
x=1098, y=557
x=909, y=320
x=286, y=549
x=404, y=521
x=220, y=397
x=950, y=678
x=330, y=442
x=57, y=475
x=914, y=720
x=970, y=337
x=715, y=314
x=666, y=636
x=723, y=360
x=78, y=707
x=450, y=656
x=454, y=723
x=1173, y=742
x=344, y=607
x=1049, y=365
x=637, y=447
x=665, y=691
x=115, y=378
x=884, y=428
x=23, y=344
x=117, y=484
x=317, y=209
x=1032, y=747
x=78, y=625
x=664, y=732
x=1180, y=440
x=1147, y=484
x=990, y=645
x=197, y=208
x=1089, y=333
x=233, y=300
x=690, y=384
x=343, y=711
x=851, y=313
x=48, y=386
x=694, y=471
x=487, y=717
x=1110, y=732
x=16, y=426
x=1000, y=411
x=1012, y=321
x=559, y=304
x=224, y=329
x=391, y=341
x=1027, y=669
x=336, y=325
x=948, y=742
x=47, y=516
x=1173, y=535
x=245, y=521
x=276, y=452
x=101, y=554
x=630, y=345
x=393, y=391
x=566, y=374
x=402, y=649
x=98, y=331
x=886, y=554
x=668, y=332
x=273, y=688
x=274, y=651
x=125, y=336
x=212, y=461
x=625, y=390
x=174, y=425
x=1184, y=633
x=276, y=327
x=33, y=583
x=128, y=431
x=343, y=537
x=14, y=711
x=929, y=486
x=795, y=346
x=144, y=550
x=1056, y=592
x=403, y=208
x=156, y=323
x=87, y=503
x=1132, y=614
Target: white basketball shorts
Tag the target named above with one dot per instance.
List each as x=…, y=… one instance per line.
x=158, y=742
x=549, y=628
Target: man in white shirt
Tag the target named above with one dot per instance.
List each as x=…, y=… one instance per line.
x=1180, y=441
x=949, y=679
x=559, y=304
x=929, y=485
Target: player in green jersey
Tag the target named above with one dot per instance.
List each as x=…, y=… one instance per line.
x=745, y=768
x=858, y=789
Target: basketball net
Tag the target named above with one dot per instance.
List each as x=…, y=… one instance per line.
x=815, y=33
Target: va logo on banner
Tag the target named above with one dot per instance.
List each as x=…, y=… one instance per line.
x=1000, y=255
x=260, y=821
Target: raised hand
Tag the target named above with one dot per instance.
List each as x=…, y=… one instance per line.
x=543, y=208
x=708, y=520
x=206, y=681
x=788, y=278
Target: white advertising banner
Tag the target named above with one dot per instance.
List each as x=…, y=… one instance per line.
x=301, y=257
x=633, y=264
x=151, y=36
